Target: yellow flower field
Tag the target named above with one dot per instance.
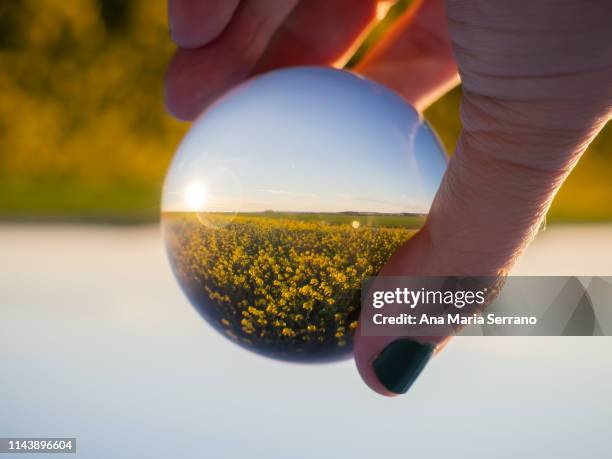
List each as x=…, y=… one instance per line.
x=287, y=288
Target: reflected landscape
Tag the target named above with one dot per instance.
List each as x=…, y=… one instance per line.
x=285, y=195
x=285, y=285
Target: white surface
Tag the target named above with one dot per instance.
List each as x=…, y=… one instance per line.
x=97, y=342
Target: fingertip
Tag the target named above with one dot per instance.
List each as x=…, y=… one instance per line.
x=174, y=108
x=194, y=23
x=179, y=89
x=391, y=365
x=365, y=354
x=196, y=78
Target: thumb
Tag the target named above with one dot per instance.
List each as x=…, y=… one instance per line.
x=489, y=206
x=530, y=108
x=497, y=189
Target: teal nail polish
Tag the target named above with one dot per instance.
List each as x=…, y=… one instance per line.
x=400, y=363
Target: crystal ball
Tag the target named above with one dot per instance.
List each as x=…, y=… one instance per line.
x=285, y=194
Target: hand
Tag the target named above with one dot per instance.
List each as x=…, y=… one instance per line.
x=537, y=85
x=223, y=42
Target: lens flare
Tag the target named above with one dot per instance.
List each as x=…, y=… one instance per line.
x=195, y=196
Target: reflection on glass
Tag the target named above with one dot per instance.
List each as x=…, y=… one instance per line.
x=285, y=195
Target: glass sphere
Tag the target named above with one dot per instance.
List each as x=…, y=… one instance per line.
x=288, y=192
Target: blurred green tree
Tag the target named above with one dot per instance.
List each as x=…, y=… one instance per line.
x=84, y=133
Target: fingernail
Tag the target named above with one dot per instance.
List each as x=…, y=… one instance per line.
x=400, y=363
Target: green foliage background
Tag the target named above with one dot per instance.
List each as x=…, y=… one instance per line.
x=84, y=134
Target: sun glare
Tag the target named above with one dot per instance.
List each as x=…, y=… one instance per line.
x=195, y=195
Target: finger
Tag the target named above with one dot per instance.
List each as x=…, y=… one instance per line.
x=195, y=77
x=498, y=187
x=521, y=137
x=490, y=204
x=415, y=58
x=194, y=23
x=319, y=32
x=389, y=365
